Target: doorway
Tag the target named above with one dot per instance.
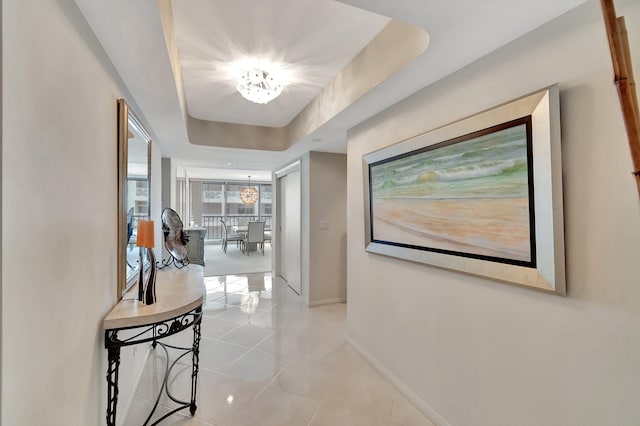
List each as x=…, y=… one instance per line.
x=210, y=205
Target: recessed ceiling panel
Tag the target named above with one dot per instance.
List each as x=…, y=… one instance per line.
x=308, y=41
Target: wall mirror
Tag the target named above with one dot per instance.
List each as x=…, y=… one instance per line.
x=134, y=188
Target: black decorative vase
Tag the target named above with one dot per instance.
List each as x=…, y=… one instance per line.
x=141, y=275
x=149, y=297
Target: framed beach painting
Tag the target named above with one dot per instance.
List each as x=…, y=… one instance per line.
x=482, y=195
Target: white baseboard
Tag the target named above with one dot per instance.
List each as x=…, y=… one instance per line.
x=124, y=412
x=326, y=302
x=422, y=406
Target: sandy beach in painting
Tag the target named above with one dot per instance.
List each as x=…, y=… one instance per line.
x=470, y=197
x=497, y=227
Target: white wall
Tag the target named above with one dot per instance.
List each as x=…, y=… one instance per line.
x=470, y=351
x=59, y=217
x=327, y=247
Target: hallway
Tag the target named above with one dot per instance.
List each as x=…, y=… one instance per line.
x=284, y=364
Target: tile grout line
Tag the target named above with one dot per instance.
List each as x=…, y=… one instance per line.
x=271, y=384
x=393, y=401
x=315, y=414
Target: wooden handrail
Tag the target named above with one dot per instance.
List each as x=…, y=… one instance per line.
x=623, y=72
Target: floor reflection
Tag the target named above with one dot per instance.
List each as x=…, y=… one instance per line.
x=266, y=359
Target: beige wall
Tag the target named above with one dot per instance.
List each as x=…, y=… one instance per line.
x=59, y=217
x=469, y=351
x=327, y=248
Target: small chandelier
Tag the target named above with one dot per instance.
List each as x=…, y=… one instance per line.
x=257, y=85
x=248, y=194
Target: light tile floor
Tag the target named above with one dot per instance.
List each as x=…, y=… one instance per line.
x=277, y=363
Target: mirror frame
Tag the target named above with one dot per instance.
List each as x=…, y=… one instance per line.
x=124, y=115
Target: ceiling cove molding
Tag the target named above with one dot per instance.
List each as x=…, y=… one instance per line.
x=168, y=29
x=392, y=49
x=232, y=135
x=395, y=47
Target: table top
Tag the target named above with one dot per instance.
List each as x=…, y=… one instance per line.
x=195, y=229
x=178, y=292
x=245, y=228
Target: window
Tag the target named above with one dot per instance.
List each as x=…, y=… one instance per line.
x=141, y=208
x=235, y=206
x=221, y=200
x=137, y=196
x=265, y=200
x=142, y=188
x=212, y=198
x=211, y=209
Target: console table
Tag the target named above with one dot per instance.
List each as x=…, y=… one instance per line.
x=180, y=295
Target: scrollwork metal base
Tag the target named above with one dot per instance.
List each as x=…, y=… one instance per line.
x=112, y=384
x=165, y=385
x=173, y=261
x=152, y=333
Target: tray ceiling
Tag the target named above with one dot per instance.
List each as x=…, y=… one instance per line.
x=309, y=40
x=133, y=36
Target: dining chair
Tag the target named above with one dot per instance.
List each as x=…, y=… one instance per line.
x=226, y=237
x=255, y=235
x=129, y=232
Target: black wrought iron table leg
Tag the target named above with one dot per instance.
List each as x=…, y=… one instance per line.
x=155, y=341
x=195, y=359
x=112, y=384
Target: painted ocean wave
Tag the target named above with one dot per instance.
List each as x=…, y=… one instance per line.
x=493, y=168
x=496, y=186
x=500, y=146
x=520, y=143
x=403, y=169
x=490, y=166
x=480, y=170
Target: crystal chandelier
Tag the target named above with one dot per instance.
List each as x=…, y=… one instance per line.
x=257, y=85
x=248, y=194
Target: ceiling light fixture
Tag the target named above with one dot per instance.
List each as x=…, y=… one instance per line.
x=249, y=194
x=258, y=85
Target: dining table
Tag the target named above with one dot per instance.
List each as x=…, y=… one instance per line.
x=243, y=229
